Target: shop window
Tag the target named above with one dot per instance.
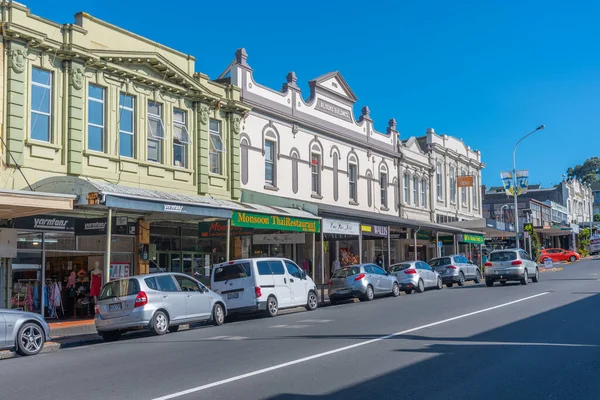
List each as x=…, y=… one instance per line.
x=29, y=241
x=41, y=105
x=26, y=288
x=126, y=125
x=59, y=241
x=181, y=138
x=217, y=148
x=96, y=98
x=156, y=131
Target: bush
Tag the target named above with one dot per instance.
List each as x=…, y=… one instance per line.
x=584, y=242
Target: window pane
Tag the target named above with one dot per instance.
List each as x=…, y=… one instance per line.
x=215, y=163
x=40, y=99
x=126, y=101
x=214, y=126
x=96, y=92
x=40, y=127
x=155, y=128
x=166, y=283
x=179, y=116
x=153, y=150
x=269, y=172
x=179, y=155
x=95, y=113
x=269, y=151
x=126, y=145
x=277, y=267
x=126, y=120
x=263, y=268
x=95, y=138
x=180, y=134
x=41, y=76
x=154, y=108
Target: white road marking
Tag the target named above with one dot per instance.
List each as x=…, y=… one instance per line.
x=278, y=326
x=290, y=326
x=225, y=338
x=338, y=350
x=316, y=321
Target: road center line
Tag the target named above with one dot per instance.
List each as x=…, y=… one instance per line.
x=339, y=350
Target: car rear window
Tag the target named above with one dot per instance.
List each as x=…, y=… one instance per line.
x=346, y=272
x=438, y=262
x=399, y=267
x=232, y=271
x=503, y=256
x=121, y=288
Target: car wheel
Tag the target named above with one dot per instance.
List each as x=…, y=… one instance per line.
x=110, y=336
x=395, y=290
x=478, y=277
x=489, y=283
x=461, y=279
x=272, y=306
x=218, y=315
x=525, y=279
x=572, y=258
x=440, y=285
x=160, y=323
x=312, y=302
x=408, y=291
x=173, y=328
x=420, y=286
x=536, y=277
x=30, y=339
x=449, y=284
x=369, y=295
x=334, y=302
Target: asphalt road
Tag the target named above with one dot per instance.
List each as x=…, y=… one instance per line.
x=540, y=341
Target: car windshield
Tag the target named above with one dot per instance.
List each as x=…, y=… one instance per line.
x=399, y=267
x=124, y=287
x=346, y=272
x=438, y=262
x=503, y=256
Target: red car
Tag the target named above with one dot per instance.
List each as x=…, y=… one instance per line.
x=559, y=255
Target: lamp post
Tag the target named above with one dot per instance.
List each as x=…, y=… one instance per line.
x=591, y=203
x=539, y=128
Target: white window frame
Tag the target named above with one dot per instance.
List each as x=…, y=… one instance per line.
x=272, y=162
x=423, y=193
x=48, y=114
x=415, y=189
x=406, y=190
x=315, y=170
x=102, y=127
x=183, y=144
x=216, y=146
x=353, y=184
x=463, y=194
x=476, y=191
x=121, y=131
x=452, y=185
x=383, y=187
x=439, y=181
x=157, y=140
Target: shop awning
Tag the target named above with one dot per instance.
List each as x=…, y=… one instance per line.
x=22, y=203
x=490, y=228
x=366, y=217
x=158, y=205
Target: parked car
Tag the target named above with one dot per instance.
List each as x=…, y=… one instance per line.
x=510, y=265
x=416, y=275
x=594, y=246
x=559, y=255
x=263, y=284
x=23, y=331
x=158, y=302
x=364, y=281
x=455, y=269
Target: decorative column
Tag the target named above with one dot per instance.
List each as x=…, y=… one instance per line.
x=15, y=102
x=75, y=122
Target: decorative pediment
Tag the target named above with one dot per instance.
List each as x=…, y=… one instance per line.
x=413, y=145
x=333, y=85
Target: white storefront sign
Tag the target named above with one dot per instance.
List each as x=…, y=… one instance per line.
x=340, y=227
x=279, y=238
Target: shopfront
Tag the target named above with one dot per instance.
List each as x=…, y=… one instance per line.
x=340, y=246
x=375, y=244
x=58, y=268
x=471, y=246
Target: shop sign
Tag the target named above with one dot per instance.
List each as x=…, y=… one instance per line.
x=46, y=223
x=474, y=239
x=446, y=239
x=401, y=235
x=97, y=226
x=279, y=238
x=337, y=226
x=423, y=235
x=173, y=208
x=464, y=181
x=119, y=271
x=275, y=222
x=374, y=230
x=219, y=229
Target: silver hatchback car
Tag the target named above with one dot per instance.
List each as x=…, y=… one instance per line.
x=416, y=275
x=364, y=281
x=159, y=302
x=23, y=331
x=510, y=265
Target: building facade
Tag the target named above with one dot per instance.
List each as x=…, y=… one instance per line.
x=299, y=150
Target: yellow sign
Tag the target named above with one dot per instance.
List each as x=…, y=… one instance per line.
x=260, y=221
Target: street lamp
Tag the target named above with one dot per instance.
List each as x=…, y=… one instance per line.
x=539, y=128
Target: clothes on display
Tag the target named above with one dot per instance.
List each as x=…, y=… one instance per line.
x=53, y=299
x=72, y=280
x=96, y=285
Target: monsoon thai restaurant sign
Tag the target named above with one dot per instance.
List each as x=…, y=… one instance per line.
x=275, y=222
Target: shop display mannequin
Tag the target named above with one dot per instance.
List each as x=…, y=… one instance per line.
x=96, y=283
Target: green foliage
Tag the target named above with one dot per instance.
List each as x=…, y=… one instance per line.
x=588, y=172
x=584, y=242
x=596, y=217
x=536, y=245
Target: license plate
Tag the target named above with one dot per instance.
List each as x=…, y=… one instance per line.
x=344, y=291
x=233, y=295
x=500, y=272
x=114, y=307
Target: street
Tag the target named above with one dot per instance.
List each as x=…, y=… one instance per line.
x=536, y=341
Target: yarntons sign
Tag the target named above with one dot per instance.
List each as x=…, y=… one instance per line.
x=45, y=223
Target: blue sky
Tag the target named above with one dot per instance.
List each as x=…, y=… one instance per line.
x=487, y=72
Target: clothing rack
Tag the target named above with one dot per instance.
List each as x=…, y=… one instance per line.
x=50, y=286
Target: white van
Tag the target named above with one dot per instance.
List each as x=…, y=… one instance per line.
x=263, y=284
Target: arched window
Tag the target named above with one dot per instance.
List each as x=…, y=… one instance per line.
x=335, y=177
x=415, y=182
x=406, y=188
x=396, y=194
x=463, y=190
x=452, y=185
x=316, y=160
x=352, y=178
x=475, y=190
x=270, y=150
x=383, y=185
x=439, y=180
x=369, y=189
x=423, y=193
x=295, y=158
x=244, y=160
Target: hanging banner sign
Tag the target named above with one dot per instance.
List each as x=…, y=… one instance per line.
x=464, y=181
x=275, y=222
x=340, y=227
x=508, y=184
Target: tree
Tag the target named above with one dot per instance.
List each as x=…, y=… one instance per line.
x=596, y=217
x=584, y=242
x=536, y=246
x=589, y=172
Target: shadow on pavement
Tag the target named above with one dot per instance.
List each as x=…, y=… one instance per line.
x=555, y=355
